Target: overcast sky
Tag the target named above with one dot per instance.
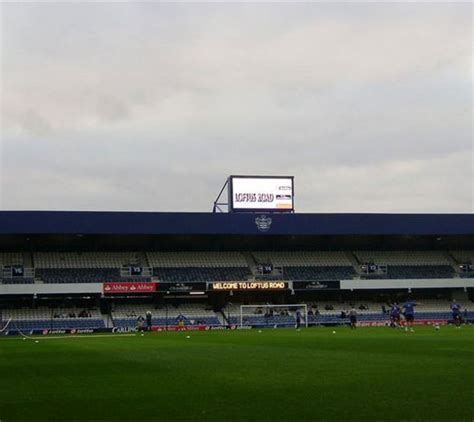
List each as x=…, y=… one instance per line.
x=147, y=106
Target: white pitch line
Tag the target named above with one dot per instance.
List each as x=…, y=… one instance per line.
x=66, y=336
x=85, y=336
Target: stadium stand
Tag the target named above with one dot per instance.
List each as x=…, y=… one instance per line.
x=465, y=263
x=304, y=258
x=125, y=316
x=410, y=264
x=318, y=273
x=465, y=257
x=309, y=265
x=10, y=259
x=419, y=271
x=196, y=259
x=67, y=260
x=311, y=256
x=77, y=275
x=85, y=267
x=97, y=267
x=198, y=266
x=411, y=258
x=195, y=274
x=54, y=318
x=22, y=280
x=334, y=313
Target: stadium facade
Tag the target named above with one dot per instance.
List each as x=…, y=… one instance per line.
x=115, y=261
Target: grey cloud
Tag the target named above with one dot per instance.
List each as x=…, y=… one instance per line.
x=35, y=124
x=118, y=106
x=112, y=109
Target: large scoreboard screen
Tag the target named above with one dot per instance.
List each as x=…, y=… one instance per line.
x=261, y=193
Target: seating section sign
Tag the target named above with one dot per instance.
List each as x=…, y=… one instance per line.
x=119, y=287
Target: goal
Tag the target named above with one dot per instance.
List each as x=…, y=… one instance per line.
x=274, y=316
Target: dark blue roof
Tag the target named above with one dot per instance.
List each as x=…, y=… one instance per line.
x=165, y=223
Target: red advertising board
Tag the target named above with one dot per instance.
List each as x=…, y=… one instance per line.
x=119, y=287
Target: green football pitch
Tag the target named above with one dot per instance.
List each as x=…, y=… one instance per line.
x=371, y=374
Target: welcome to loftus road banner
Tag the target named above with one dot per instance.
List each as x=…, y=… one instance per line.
x=119, y=287
x=249, y=285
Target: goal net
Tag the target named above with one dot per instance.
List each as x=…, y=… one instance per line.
x=274, y=316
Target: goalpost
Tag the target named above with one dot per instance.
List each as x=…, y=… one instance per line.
x=5, y=326
x=265, y=315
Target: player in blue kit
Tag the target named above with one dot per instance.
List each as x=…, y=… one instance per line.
x=297, y=319
x=394, y=315
x=409, y=313
x=456, y=311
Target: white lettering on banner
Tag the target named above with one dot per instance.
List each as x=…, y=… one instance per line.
x=124, y=287
x=250, y=285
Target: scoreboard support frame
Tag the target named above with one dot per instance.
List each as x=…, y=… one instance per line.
x=217, y=205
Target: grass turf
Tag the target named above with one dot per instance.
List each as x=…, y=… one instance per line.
x=371, y=374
